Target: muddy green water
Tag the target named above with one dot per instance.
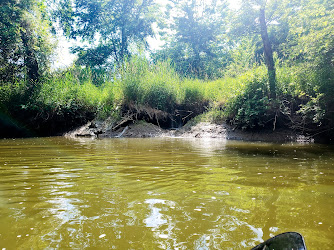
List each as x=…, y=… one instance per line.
x=58, y=193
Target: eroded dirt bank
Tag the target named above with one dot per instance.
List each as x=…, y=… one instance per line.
x=141, y=129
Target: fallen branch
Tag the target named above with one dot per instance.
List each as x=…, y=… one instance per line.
x=125, y=120
x=190, y=113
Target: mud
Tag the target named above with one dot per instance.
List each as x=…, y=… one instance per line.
x=141, y=129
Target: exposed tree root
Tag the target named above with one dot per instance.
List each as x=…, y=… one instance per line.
x=167, y=120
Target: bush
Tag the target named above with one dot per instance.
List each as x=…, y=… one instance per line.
x=251, y=108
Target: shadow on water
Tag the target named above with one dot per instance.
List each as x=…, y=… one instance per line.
x=280, y=150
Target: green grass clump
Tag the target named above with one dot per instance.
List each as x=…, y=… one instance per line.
x=192, y=91
x=64, y=93
x=157, y=86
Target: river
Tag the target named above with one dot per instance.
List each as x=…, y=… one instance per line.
x=59, y=193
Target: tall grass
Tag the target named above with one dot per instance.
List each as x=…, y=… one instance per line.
x=65, y=93
x=157, y=86
x=160, y=87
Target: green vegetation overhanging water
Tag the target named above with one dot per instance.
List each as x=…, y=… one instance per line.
x=60, y=193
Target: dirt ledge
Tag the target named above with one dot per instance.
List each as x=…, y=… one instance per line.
x=142, y=129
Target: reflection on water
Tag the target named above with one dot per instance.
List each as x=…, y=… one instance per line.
x=154, y=220
x=162, y=193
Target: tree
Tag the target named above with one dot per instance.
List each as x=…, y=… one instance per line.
x=25, y=46
x=251, y=21
x=268, y=53
x=194, y=44
x=109, y=26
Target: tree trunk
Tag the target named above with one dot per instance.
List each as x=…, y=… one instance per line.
x=268, y=54
x=30, y=60
x=123, y=45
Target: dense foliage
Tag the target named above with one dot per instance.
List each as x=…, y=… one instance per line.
x=267, y=64
x=25, y=45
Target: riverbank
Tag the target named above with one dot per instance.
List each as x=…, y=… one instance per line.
x=157, y=95
x=142, y=129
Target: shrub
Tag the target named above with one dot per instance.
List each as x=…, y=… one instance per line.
x=251, y=108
